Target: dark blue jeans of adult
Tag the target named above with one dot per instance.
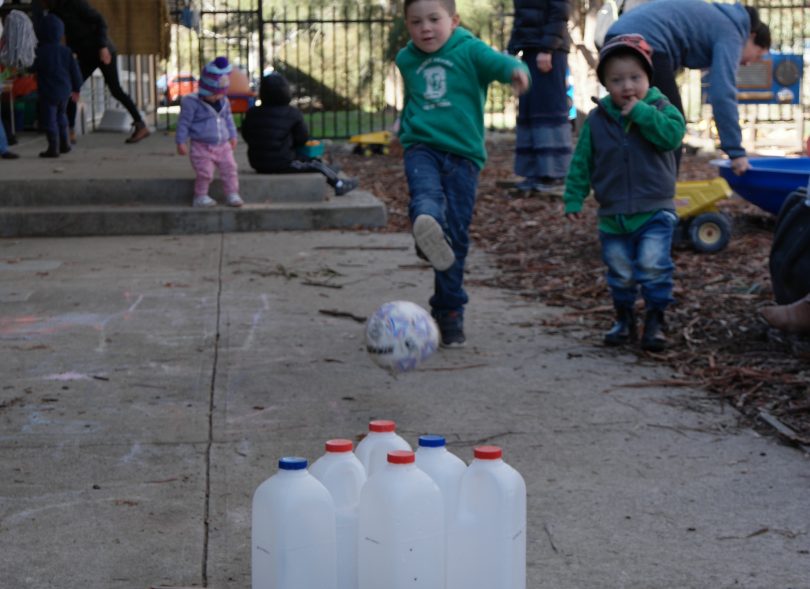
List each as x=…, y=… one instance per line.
x=641, y=258
x=444, y=186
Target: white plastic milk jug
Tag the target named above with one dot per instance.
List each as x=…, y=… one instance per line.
x=343, y=476
x=381, y=439
x=444, y=467
x=401, y=525
x=293, y=531
x=487, y=537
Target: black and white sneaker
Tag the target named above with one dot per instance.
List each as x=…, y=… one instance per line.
x=432, y=242
x=451, y=328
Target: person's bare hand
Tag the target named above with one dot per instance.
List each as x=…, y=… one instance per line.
x=574, y=217
x=740, y=165
x=105, y=56
x=544, y=62
x=233, y=143
x=628, y=106
x=75, y=96
x=182, y=149
x=520, y=81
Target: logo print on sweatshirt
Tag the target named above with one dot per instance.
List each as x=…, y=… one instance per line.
x=435, y=82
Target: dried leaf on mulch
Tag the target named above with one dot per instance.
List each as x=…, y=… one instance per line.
x=717, y=337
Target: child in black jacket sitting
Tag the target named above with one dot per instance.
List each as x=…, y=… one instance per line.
x=275, y=131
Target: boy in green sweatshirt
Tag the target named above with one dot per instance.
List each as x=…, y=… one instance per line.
x=626, y=153
x=446, y=71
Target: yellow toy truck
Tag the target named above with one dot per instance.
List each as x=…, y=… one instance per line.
x=370, y=143
x=702, y=223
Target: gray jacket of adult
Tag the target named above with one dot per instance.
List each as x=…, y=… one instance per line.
x=540, y=25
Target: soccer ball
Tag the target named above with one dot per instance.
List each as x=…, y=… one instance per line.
x=400, y=335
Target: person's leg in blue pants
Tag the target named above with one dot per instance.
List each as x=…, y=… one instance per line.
x=4, y=152
x=444, y=186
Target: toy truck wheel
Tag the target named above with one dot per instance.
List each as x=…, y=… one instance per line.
x=710, y=232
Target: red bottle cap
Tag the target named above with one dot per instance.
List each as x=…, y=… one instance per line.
x=401, y=457
x=382, y=425
x=488, y=452
x=339, y=446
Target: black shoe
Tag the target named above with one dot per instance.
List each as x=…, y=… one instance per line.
x=451, y=328
x=345, y=185
x=624, y=329
x=64, y=145
x=53, y=146
x=654, y=339
x=9, y=155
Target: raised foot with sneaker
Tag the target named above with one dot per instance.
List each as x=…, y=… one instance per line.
x=140, y=131
x=432, y=242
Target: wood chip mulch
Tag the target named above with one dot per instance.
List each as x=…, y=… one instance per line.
x=717, y=339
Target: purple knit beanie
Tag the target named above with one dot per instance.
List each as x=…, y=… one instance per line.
x=214, y=78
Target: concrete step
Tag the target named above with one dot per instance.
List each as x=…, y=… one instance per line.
x=163, y=191
x=356, y=209
x=107, y=187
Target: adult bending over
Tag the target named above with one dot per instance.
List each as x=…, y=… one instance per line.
x=696, y=34
x=86, y=33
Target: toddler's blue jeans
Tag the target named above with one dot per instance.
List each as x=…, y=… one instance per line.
x=443, y=185
x=641, y=259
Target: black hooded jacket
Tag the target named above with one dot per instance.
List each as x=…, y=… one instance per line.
x=57, y=71
x=85, y=27
x=540, y=25
x=274, y=130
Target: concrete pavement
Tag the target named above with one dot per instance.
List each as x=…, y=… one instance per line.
x=151, y=383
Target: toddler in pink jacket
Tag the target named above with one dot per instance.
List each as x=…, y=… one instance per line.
x=206, y=122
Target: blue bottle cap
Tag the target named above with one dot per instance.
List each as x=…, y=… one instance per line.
x=431, y=441
x=292, y=463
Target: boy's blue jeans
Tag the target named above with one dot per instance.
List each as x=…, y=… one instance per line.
x=642, y=258
x=443, y=185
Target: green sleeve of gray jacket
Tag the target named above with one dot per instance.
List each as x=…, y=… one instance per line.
x=664, y=128
x=578, y=181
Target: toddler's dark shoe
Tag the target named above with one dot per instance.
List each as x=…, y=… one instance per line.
x=624, y=329
x=9, y=155
x=654, y=339
x=345, y=185
x=451, y=328
x=431, y=241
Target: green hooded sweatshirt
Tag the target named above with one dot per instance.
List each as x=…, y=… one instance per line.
x=445, y=92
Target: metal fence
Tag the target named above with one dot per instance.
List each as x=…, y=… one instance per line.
x=340, y=60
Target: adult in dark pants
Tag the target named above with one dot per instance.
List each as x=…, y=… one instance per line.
x=698, y=35
x=86, y=33
x=543, y=142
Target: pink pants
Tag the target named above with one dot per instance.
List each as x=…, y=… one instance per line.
x=205, y=158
